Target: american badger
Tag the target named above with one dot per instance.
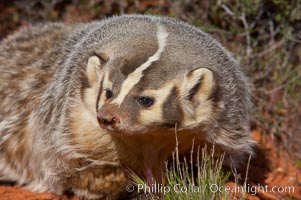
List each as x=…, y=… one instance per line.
x=81, y=104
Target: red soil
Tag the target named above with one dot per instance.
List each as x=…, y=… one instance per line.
x=19, y=193
x=273, y=170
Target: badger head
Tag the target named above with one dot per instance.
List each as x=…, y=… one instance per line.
x=146, y=89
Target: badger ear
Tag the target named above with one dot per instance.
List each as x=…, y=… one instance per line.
x=94, y=70
x=196, y=90
x=197, y=86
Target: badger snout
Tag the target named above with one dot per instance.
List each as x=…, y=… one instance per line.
x=109, y=117
x=105, y=119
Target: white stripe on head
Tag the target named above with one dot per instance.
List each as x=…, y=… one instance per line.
x=136, y=76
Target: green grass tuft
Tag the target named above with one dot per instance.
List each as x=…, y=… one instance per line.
x=196, y=179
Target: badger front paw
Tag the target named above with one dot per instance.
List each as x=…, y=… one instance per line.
x=98, y=183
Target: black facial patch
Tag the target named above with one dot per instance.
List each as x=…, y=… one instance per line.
x=172, y=112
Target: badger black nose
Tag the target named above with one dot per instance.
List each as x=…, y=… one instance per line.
x=107, y=119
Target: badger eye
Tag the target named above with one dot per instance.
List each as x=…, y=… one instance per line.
x=146, y=101
x=109, y=93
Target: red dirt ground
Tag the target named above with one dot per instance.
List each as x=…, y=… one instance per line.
x=274, y=169
x=273, y=166
x=19, y=193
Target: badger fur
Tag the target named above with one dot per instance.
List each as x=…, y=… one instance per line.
x=82, y=102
